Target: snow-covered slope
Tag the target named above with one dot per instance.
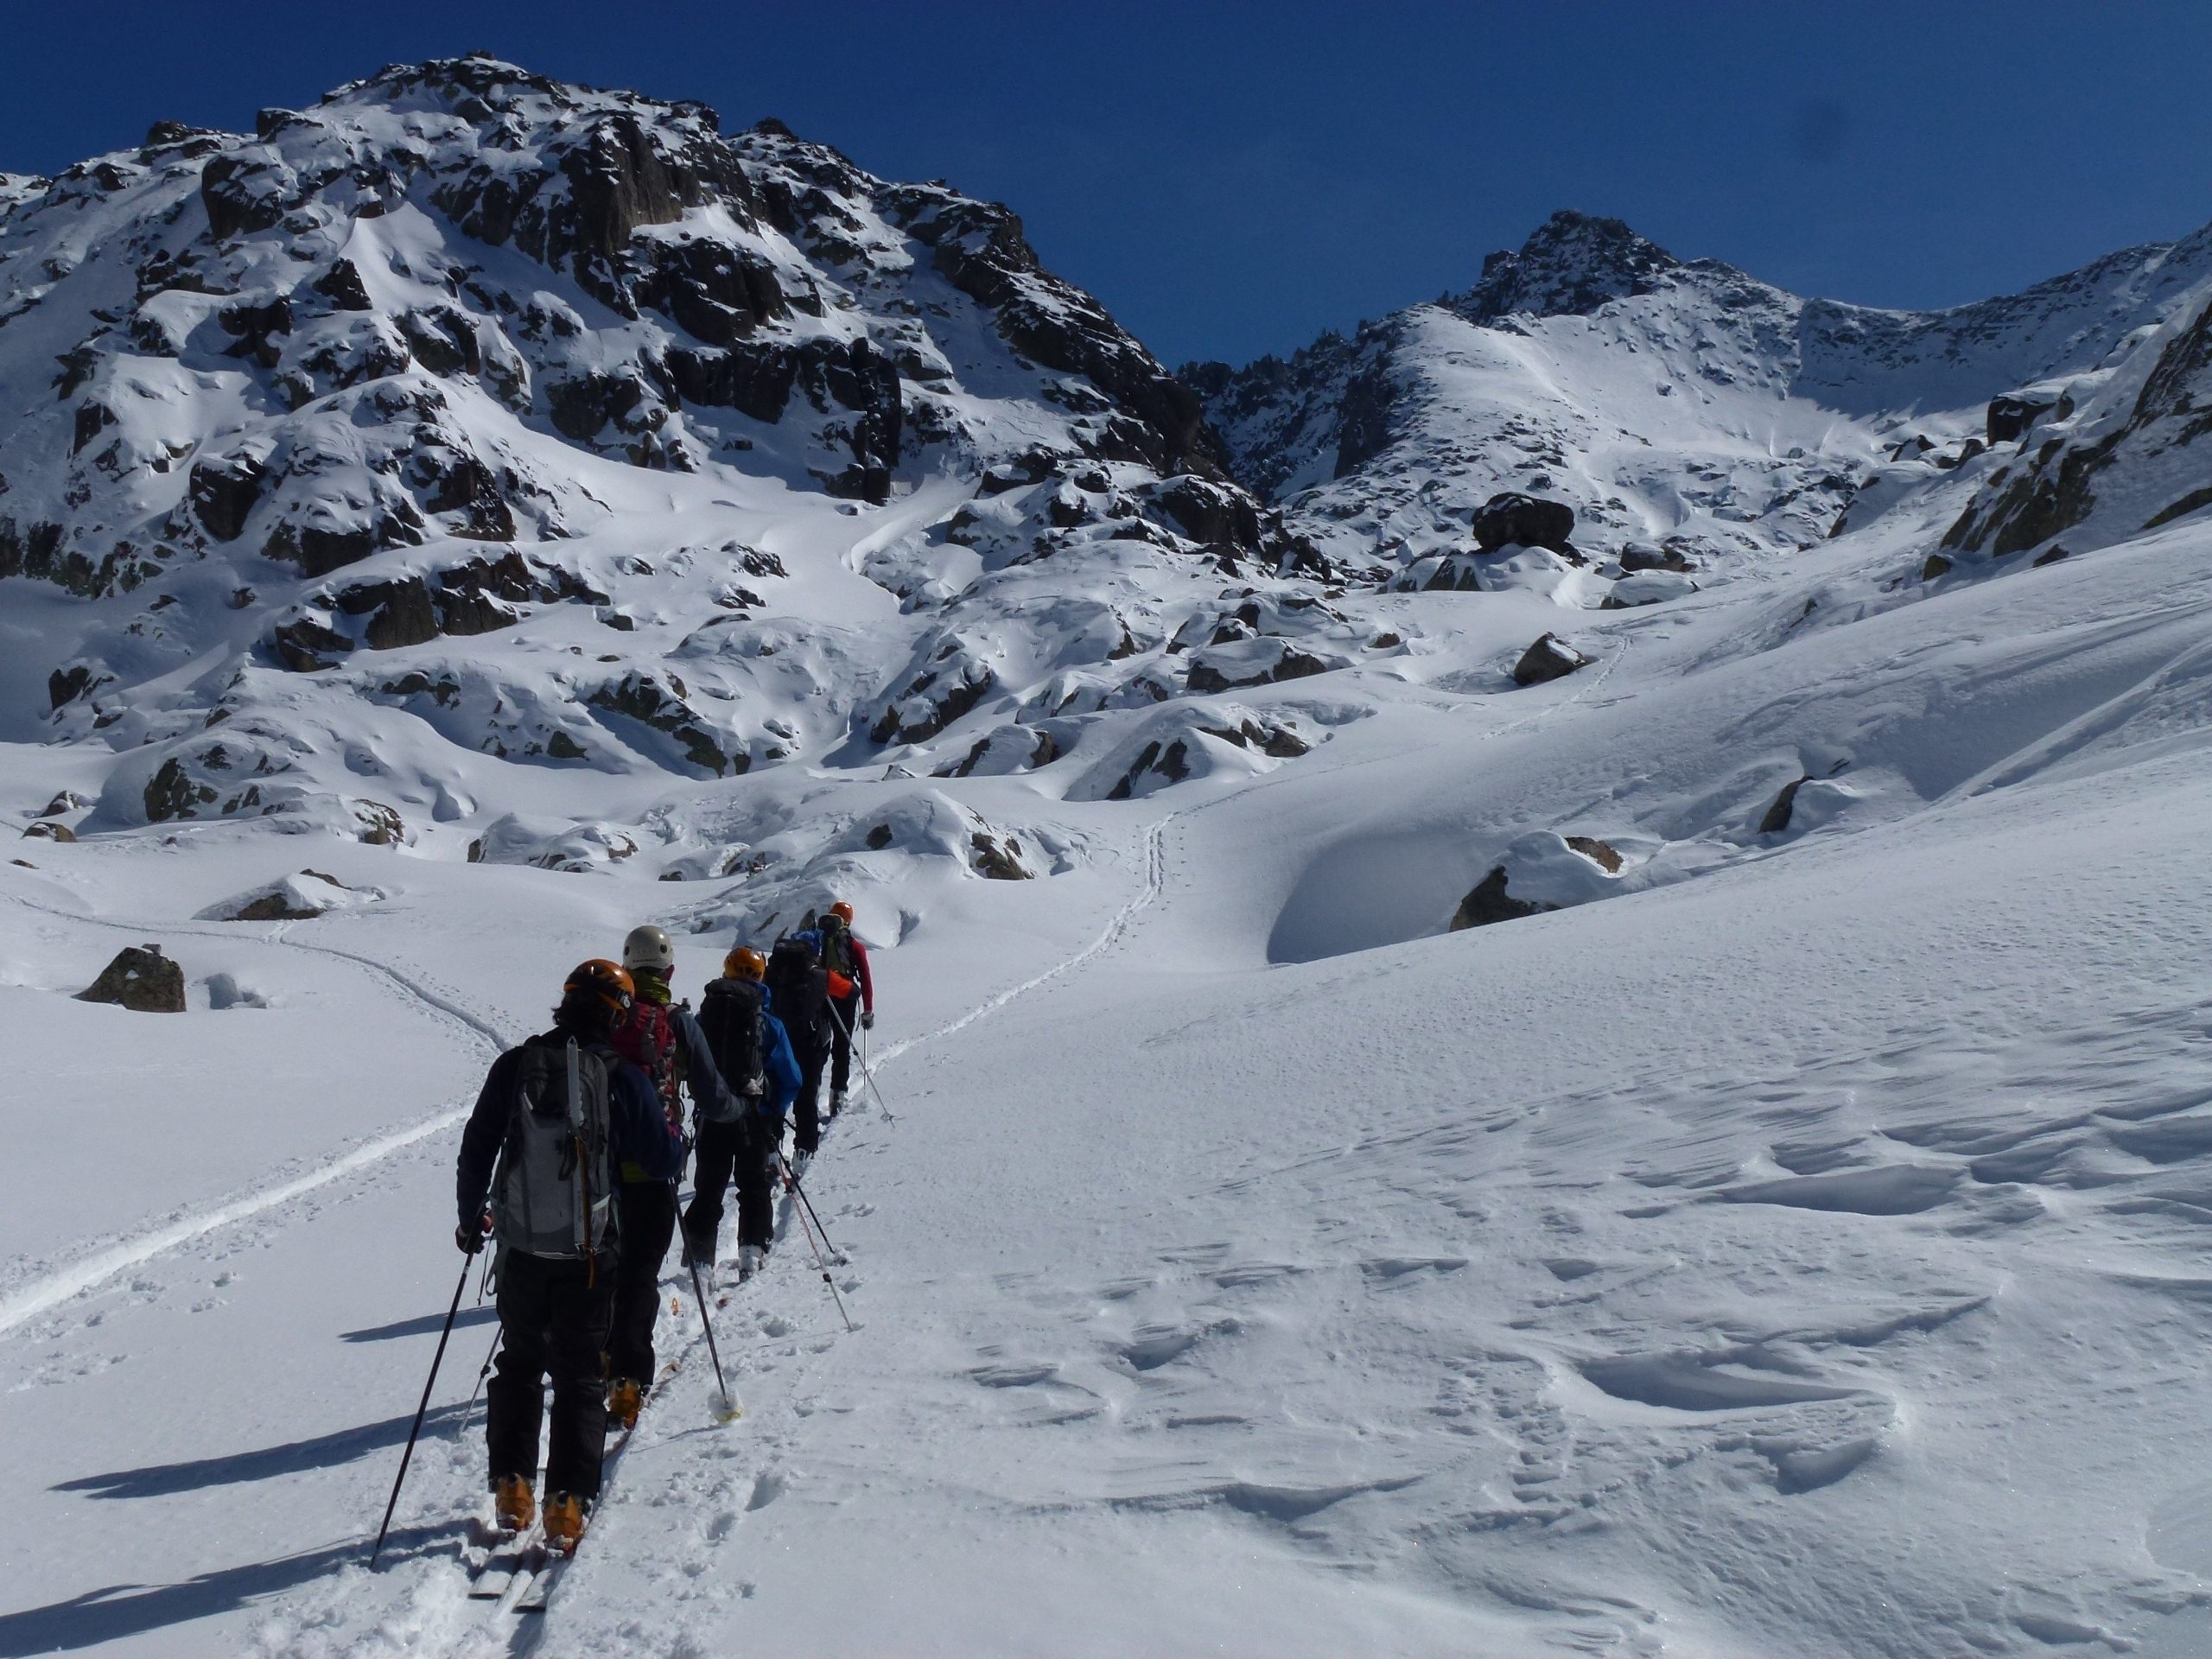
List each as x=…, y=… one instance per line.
x=1679, y=403
x=1771, y=1226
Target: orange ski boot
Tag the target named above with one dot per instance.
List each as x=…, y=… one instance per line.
x=625, y=1396
x=513, y=1505
x=564, y=1522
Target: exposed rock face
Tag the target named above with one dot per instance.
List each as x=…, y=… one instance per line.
x=2128, y=464
x=1513, y=519
x=140, y=979
x=2011, y=415
x=1489, y=902
x=1549, y=659
x=1777, y=814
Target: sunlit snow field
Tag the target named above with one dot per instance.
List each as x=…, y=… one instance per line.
x=1798, y=1250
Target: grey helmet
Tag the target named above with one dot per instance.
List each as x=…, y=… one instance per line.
x=648, y=951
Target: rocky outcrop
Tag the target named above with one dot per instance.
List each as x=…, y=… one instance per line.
x=1516, y=520
x=1488, y=903
x=140, y=979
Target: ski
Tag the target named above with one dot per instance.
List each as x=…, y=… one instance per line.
x=502, y=1564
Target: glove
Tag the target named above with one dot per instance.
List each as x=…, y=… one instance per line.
x=867, y=1020
x=470, y=1235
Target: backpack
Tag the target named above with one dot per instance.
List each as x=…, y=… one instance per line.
x=799, y=984
x=836, y=945
x=732, y=1019
x=552, y=1194
x=647, y=1041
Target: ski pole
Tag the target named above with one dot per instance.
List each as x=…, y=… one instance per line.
x=820, y=1262
x=889, y=1115
x=812, y=1211
x=437, y=1359
x=726, y=1409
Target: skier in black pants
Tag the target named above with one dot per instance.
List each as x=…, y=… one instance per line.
x=663, y=1040
x=555, y=1117
x=754, y=1054
x=852, y=996
x=801, y=987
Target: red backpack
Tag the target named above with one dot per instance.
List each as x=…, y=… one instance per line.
x=647, y=1039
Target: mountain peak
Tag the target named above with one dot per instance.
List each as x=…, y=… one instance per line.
x=1572, y=264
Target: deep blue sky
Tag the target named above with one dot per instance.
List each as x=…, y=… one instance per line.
x=1232, y=179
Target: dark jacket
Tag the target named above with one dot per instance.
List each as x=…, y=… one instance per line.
x=709, y=1091
x=637, y=1127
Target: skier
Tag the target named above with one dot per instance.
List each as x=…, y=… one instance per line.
x=663, y=1040
x=800, y=986
x=754, y=1053
x=553, y=1118
x=852, y=996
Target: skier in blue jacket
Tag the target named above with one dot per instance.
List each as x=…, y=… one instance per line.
x=753, y=1054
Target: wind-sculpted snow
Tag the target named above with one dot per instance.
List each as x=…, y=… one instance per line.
x=1451, y=1080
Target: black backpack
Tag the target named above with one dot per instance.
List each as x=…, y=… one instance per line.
x=800, y=984
x=836, y=945
x=732, y=1018
x=553, y=1192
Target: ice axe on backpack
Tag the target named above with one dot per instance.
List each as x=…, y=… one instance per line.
x=860, y=1059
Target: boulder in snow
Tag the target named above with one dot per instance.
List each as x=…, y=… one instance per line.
x=1549, y=659
x=140, y=979
x=1540, y=872
x=1514, y=519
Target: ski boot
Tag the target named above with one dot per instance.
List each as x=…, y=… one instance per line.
x=750, y=1258
x=513, y=1506
x=839, y=1101
x=564, y=1522
x=625, y=1395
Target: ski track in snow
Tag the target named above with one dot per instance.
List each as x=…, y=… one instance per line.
x=27, y=1302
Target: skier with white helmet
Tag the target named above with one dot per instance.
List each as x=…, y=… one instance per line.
x=663, y=1040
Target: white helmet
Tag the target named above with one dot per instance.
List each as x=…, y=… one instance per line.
x=647, y=950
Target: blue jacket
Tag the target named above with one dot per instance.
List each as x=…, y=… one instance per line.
x=781, y=1065
x=638, y=1128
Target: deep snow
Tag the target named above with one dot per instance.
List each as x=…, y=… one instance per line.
x=1790, y=1245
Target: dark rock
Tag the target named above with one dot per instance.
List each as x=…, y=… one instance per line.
x=380, y=825
x=1549, y=659
x=44, y=830
x=1641, y=556
x=998, y=861
x=224, y=491
x=2010, y=416
x=403, y=614
x=172, y=794
x=754, y=380
x=1777, y=814
x=1513, y=519
x=67, y=800
x=1489, y=903
x=1599, y=853
x=142, y=980
x=67, y=684
x=242, y=194
x=1936, y=565
x=880, y=837
x=341, y=285
x=2052, y=557
x=307, y=646
x=2188, y=504
x=642, y=697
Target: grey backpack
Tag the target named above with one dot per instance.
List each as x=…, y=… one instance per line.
x=553, y=1195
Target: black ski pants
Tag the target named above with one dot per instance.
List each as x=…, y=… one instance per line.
x=747, y=1150
x=811, y=1051
x=648, y=1222
x=554, y=1316
x=844, y=1024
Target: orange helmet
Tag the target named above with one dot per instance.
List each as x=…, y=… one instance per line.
x=843, y=911
x=744, y=963
x=613, y=982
